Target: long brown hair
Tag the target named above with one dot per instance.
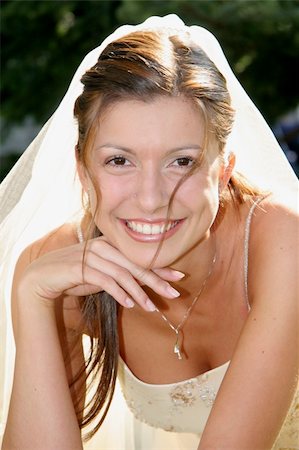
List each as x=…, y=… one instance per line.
x=142, y=66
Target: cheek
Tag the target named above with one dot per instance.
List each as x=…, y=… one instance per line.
x=110, y=195
x=114, y=194
x=200, y=192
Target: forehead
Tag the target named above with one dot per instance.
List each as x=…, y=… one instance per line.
x=161, y=122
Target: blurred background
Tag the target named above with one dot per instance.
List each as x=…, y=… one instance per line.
x=43, y=42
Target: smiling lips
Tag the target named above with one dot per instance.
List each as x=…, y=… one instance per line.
x=146, y=231
x=147, y=228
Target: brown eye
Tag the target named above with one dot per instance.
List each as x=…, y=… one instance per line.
x=117, y=161
x=185, y=161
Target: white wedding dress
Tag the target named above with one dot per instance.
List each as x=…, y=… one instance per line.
x=172, y=416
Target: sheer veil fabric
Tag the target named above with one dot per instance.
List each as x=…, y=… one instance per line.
x=42, y=191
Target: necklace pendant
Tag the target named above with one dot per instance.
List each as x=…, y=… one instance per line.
x=177, y=351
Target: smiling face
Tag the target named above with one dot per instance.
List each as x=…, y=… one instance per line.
x=140, y=153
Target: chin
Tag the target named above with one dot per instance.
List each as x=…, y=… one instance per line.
x=148, y=259
x=148, y=262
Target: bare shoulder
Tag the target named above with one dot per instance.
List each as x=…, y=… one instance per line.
x=273, y=256
x=61, y=237
x=275, y=221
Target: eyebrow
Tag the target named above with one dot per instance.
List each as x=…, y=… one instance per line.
x=129, y=150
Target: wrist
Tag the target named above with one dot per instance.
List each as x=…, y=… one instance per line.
x=35, y=318
x=30, y=294
x=32, y=309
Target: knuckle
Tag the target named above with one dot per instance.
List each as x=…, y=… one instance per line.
x=121, y=273
x=98, y=245
x=143, y=275
x=104, y=280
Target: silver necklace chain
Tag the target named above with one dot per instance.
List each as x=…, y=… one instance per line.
x=177, y=329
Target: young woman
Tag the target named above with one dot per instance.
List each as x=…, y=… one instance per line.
x=181, y=268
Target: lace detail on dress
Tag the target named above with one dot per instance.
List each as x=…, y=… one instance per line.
x=181, y=407
x=186, y=393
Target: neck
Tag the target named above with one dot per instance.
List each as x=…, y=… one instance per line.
x=196, y=265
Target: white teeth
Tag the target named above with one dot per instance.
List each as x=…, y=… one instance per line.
x=170, y=225
x=137, y=227
x=156, y=229
x=146, y=228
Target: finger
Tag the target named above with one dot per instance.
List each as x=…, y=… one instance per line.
x=108, y=272
x=94, y=281
x=155, y=282
x=169, y=274
x=144, y=276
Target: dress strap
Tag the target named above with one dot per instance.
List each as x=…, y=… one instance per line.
x=246, y=247
x=79, y=233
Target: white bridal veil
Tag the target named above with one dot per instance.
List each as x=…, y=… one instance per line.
x=42, y=190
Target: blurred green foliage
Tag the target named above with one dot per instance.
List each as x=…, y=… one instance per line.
x=42, y=44
x=43, y=41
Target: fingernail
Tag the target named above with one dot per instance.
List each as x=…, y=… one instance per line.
x=129, y=303
x=150, y=306
x=178, y=274
x=172, y=291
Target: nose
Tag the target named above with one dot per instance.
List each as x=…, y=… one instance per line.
x=151, y=190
